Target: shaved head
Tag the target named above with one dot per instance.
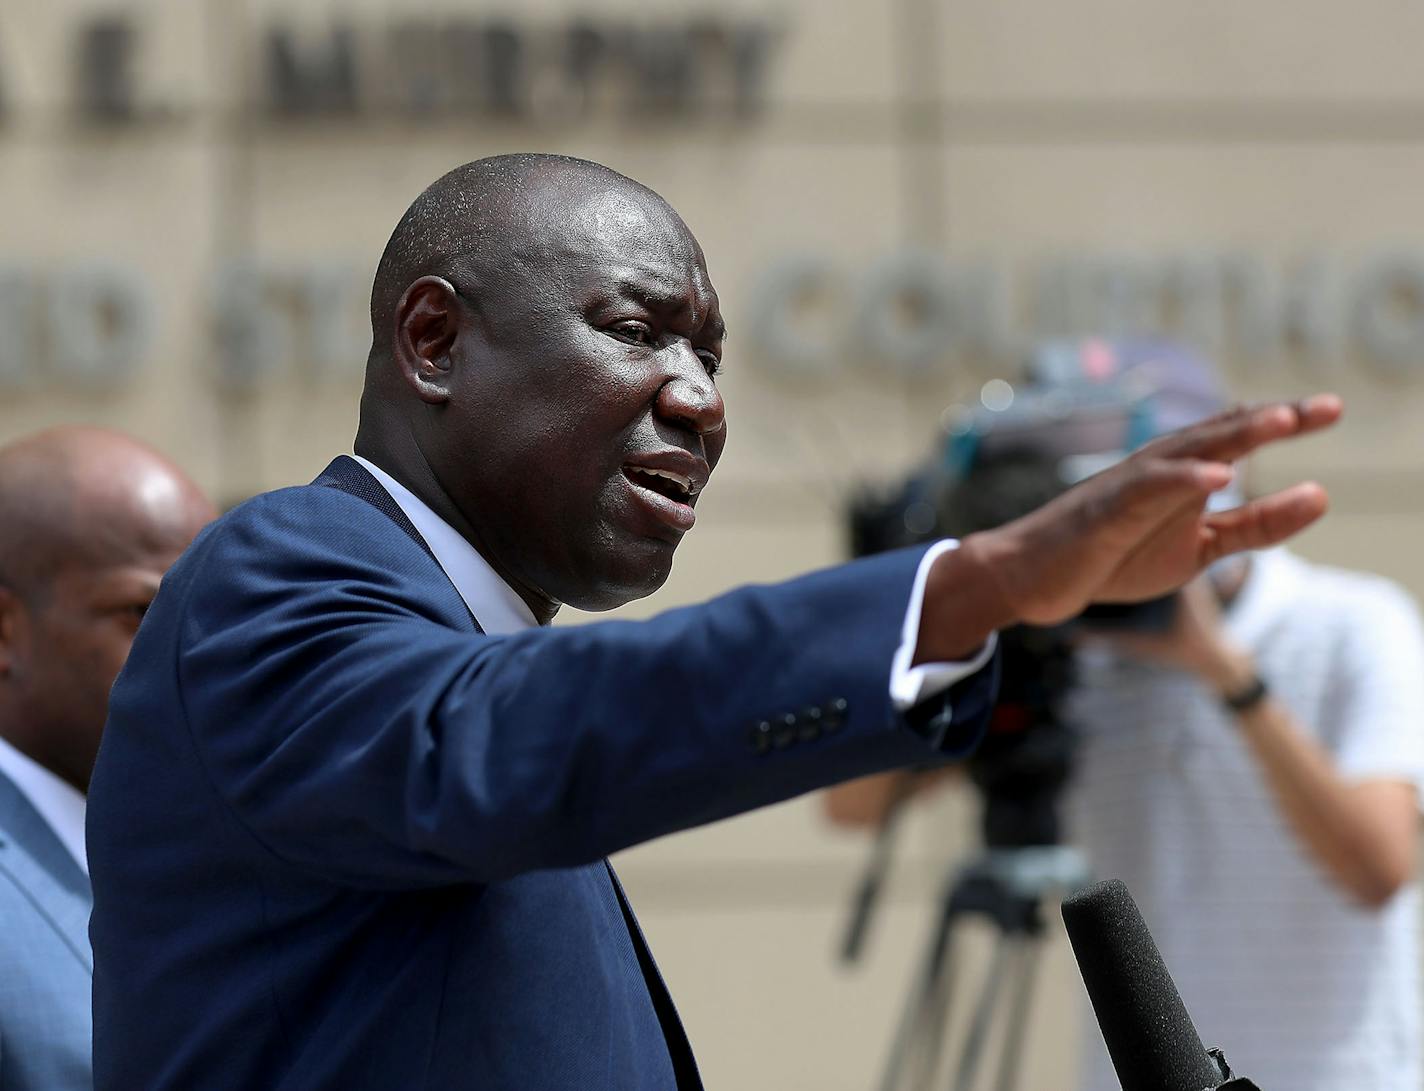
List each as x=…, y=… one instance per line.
x=77, y=496
x=89, y=522
x=485, y=218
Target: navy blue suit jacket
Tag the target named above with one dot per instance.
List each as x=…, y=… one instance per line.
x=341, y=839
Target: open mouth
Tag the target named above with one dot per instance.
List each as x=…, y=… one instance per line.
x=666, y=483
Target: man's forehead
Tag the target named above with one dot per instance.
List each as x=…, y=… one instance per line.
x=623, y=227
x=635, y=243
x=618, y=212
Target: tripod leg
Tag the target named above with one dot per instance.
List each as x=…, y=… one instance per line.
x=1029, y=951
x=928, y=999
x=934, y=1022
x=984, y=1013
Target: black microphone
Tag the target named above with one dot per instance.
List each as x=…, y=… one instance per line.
x=1151, y=1039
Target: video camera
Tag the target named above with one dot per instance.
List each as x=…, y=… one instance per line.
x=1077, y=412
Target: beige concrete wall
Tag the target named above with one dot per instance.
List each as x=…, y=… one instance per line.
x=1010, y=132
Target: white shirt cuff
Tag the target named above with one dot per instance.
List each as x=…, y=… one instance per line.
x=911, y=685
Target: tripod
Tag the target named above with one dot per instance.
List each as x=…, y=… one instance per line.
x=1008, y=887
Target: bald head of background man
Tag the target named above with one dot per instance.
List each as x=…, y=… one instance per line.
x=89, y=522
x=545, y=338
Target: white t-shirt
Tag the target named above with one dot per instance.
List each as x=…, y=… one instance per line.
x=1303, y=989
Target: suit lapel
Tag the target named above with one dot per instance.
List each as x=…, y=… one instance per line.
x=33, y=857
x=349, y=476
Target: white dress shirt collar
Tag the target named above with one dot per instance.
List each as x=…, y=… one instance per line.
x=58, y=802
x=499, y=609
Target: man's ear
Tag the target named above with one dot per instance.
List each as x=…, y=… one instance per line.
x=427, y=323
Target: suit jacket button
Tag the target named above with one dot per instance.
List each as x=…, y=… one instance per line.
x=810, y=728
x=940, y=723
x=834, y=715
x=784, y=734
x=761, y=737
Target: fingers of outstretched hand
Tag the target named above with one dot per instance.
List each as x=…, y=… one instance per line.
x=1265, y=522
x=1159, y=488
x=1319, y=411
x=1237, y=432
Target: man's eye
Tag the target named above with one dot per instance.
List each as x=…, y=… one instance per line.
x=636, y=332
x=710, y=362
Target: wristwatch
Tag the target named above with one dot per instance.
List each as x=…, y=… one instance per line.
x=1248, y=696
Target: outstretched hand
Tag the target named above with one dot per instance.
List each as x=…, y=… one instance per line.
x=1137, y=530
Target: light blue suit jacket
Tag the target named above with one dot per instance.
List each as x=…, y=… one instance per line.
x=46, y=970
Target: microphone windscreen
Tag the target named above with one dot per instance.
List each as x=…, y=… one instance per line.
x=1151, y=1039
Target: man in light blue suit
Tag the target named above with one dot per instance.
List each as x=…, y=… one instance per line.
x=350, y=819
x=89, y=522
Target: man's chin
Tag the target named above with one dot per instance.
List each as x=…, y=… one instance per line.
x=633, y=574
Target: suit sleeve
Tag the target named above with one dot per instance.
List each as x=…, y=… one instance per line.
x=354, y=731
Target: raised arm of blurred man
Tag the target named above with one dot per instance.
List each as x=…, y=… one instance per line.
x=89, y=522
x=1343, y=772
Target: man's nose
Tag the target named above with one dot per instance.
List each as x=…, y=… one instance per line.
x=690, y=397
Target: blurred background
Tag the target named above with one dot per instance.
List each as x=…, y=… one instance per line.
x=897, y=202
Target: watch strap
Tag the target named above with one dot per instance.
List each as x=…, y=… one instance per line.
x=1248, y=696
